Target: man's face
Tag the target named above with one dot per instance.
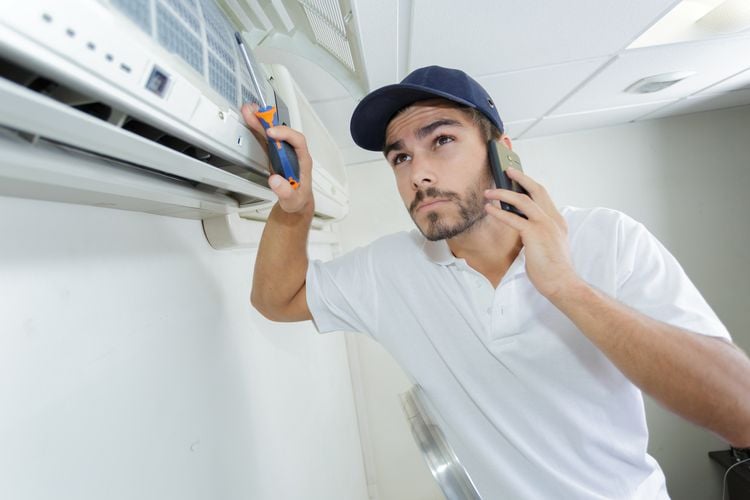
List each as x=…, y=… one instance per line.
x=441, y=167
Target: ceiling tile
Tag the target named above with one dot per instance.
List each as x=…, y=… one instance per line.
x=737, y=82
x=600, y=118
x=516, y=129
x=522, y=95
x=712, y=61
x=483, y=37
x=703, y=102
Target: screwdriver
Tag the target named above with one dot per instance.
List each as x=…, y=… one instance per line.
x=283, y=158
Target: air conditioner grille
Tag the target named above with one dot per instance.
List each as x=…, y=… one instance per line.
x=199, y=34
x=188, y=14
x=138, y=11
x=218, y=49
x=217, y=23
x=177, y=39
x=248, y=96
x=329, y=29
x=222, y=78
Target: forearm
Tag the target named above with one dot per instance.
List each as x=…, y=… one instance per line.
x=281, y=263
x=703, y=379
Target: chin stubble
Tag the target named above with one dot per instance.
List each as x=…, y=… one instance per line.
x=471, y=211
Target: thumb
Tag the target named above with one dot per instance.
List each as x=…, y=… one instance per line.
x=276, y=183
x=281, y=188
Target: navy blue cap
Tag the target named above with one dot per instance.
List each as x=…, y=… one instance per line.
x=372, y=115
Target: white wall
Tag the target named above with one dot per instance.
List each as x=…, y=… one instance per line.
x=687, y=178
x=132, y=366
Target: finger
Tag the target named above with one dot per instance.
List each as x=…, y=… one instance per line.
x=280, y=187
x=291, y=200
x=524, y=180
x=293, y=137
x=299, y=143
x=248, y=113
x=521, y=201
x=514, y=221
x=537, y=192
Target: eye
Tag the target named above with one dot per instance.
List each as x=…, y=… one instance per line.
x=443, y=140
x=399, y=158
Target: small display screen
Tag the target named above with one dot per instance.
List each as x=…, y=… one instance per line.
x=158, y=82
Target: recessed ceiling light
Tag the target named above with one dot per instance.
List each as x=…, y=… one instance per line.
x=697, y=20
x=732, y=16
x=656, y=83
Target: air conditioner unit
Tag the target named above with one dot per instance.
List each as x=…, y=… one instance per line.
x=134, y=104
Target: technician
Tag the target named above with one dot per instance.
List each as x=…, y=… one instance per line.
x=532, y=337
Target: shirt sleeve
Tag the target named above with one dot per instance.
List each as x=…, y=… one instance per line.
x=341, y=293
x=650, y=280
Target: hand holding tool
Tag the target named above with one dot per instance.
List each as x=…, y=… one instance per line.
x=283, y=158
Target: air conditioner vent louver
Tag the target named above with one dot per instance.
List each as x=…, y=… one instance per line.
x=103, y=111
x=329, y=29
x=320, y=31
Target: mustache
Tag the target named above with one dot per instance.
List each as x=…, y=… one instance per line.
x=430, y=192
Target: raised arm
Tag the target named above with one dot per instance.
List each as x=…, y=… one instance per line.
x=705, y=380
x=281, y=264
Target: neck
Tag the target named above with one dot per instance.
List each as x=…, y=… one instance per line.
x=490, y=247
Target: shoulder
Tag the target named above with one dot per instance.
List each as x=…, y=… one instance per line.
x=395, y=248
x=585, y=218
x=398, y=251
x=602, y=232
x=407, y=241
x=599, y=222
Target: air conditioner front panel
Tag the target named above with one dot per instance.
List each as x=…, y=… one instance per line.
x=22, y=109
x=112, y=57
x=117, y=71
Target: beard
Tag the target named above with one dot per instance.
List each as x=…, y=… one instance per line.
x=470, y=210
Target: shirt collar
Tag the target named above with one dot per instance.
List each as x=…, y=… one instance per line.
x=439, y=253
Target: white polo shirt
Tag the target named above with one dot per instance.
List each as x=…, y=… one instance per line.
x=531, y=407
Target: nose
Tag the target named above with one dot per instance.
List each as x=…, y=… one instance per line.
x=422, y=175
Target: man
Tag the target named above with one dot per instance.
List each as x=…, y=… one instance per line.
x=530, y=336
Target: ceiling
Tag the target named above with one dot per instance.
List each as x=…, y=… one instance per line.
x=551, y=67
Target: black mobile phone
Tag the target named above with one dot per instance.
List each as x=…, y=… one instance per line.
x=501, y=157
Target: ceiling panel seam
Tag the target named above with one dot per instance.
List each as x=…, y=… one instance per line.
x=648, y=26
x=704, y=89
x=580, y=86
x=542, y=66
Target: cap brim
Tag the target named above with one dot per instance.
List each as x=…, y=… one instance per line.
x=372, y=115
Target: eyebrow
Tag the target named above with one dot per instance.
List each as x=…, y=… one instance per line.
x=423, y=132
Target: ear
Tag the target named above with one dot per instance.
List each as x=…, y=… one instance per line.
x=505, y=139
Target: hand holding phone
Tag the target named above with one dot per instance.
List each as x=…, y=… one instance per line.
x=501, y=157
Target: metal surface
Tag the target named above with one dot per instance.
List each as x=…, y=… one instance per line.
x=249, y=65
x=442, y=461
